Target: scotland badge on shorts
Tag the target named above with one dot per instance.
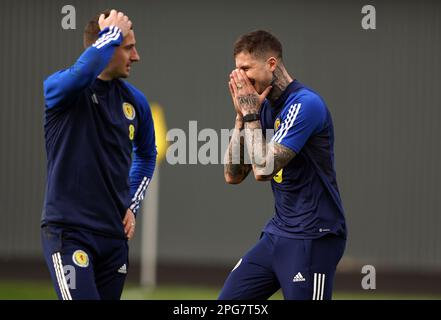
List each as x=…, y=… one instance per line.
x=80, y=258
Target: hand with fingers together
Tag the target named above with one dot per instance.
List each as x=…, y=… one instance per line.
x=247, y=100
x=129, y=223
x=234, y=98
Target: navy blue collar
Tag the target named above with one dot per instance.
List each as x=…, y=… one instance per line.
x=102, y=86
x=292, y=87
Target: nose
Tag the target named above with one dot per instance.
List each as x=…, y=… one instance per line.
x=134, y=55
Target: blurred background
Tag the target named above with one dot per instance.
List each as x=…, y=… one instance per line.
x=382, y=87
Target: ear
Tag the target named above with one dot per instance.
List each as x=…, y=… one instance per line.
x=272, y=62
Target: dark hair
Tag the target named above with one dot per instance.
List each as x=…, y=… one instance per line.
x=92, y=29
x=258, y=43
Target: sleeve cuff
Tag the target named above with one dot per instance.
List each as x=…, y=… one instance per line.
x=139, y=195
x=108, y=35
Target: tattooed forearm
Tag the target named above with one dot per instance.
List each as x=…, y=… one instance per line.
x=235, y=169
x=256, y=144
x=249, y=103
x=281, y=156
x=266, y=159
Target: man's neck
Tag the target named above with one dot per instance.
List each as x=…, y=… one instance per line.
x=104, y=77
x=281, y=80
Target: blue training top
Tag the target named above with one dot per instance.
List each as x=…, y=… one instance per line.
x=91, y=129
x=307, y=200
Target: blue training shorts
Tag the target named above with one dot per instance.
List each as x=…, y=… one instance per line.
x=85, y=265
x=303, y=268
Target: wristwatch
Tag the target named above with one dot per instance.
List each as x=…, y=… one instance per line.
x=251, y=117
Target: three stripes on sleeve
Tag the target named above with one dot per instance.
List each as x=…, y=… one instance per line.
x=287, y=123
x=139, y=195
x=112, y=34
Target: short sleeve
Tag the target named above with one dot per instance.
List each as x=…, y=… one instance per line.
x=301, y=118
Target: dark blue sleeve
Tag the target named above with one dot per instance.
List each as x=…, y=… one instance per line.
x=301, y=118
x=144, y=151
x=68, y=82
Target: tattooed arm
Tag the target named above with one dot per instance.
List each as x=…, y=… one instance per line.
x=235, y=170
x=266, y=159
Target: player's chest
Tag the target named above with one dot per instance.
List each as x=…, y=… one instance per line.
x=115, y=111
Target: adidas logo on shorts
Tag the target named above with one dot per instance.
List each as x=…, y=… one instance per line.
x=123, y=269
x=298, y=277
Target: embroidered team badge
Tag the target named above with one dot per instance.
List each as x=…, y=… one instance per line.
x=129, y=111
x=276, y=124
x=80, y=258
x=278, y=177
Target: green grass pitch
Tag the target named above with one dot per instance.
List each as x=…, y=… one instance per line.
x=21, y=290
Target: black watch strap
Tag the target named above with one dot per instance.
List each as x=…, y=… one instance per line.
x=251, y=117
